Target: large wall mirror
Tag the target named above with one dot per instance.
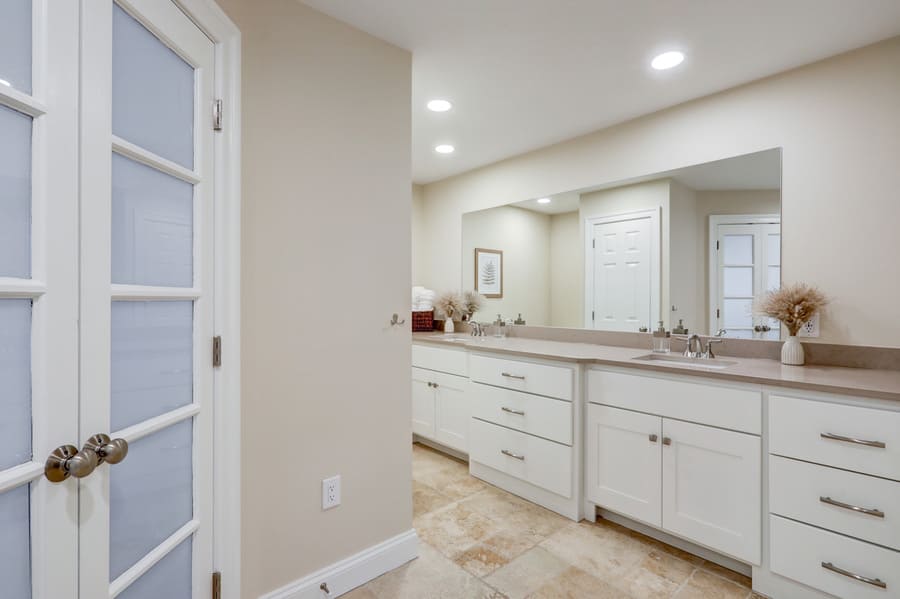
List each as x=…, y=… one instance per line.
x=693, y=246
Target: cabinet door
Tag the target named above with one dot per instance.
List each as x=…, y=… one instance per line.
x=711, y=488
x=423, y=402
x=623, y=462
x=452, y=411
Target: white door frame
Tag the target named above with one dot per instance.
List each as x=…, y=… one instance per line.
x=213, y=21
x=655, y=270
x=712, y=256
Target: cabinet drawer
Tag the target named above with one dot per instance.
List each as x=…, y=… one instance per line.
x=552, y=381
x=541, y=416
x=725, y=407
x=797, y=489
x=540, y=462
x=451, y=361
x=854, y=438
x=799, y=552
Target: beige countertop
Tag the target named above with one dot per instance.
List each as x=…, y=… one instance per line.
x=861, y=382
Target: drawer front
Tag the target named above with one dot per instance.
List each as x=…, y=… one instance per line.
x=824, y=433
x=540, y=462
x=541, y=416
x=823, y=496
x=552, y=381
x=799, y=552
x=451, y=361
x=725, y=407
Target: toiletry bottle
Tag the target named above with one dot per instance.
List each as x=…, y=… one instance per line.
x=680, y=330
x=499, y=327
x=661, y=339
x=519, y=320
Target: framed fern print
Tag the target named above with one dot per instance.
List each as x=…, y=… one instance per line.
x=489, y=273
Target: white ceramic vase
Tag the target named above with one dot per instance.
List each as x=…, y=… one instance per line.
x=448, y=328
x=792, y=352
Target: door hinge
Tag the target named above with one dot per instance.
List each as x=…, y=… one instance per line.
x=717, y=313
x=217, y=115
x=717, y=246
x=593, y=315
x=217, y=351
x=594, y=243
x=217, y=585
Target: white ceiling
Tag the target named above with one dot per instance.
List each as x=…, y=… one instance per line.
x=523, y=74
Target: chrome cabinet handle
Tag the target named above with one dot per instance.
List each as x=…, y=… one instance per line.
x=653, y=438
x=855, y=508
x=518, y=377
x=877, y=582
x=511, y=411
x=667, y=441
x=66, y=461
x=512, y=455
x=109, y=450
x=834, y=437
x=434, y=385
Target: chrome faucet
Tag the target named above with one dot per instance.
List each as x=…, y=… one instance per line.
x=477, y=329
x=689, y=351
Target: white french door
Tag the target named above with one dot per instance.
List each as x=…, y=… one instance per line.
x=106, y=300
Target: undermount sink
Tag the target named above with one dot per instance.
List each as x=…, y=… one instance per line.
x=453, y=337
x=678, y=360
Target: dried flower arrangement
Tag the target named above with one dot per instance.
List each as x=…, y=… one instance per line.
x=450, y=304
x=793, y=305
x=473, y=302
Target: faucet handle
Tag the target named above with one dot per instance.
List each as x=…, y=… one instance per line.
x=709, y=344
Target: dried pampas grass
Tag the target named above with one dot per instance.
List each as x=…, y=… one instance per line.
x=473, y=302
x=450, y=304
x=792, y=305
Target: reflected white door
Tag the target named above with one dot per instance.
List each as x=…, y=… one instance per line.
x=749, y=263
x=38, y=296
x=146, y=305
x=622, y=287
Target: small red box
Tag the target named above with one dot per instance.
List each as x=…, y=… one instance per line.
x=423, y=321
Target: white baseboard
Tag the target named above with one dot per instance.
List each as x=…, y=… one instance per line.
x=353, y=571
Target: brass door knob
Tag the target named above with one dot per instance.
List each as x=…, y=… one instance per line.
x=66, y=461
x=108, y=450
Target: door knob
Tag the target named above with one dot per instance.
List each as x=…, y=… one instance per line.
x=66, y=461
x=108, y=450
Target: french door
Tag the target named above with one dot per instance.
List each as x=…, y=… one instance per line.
x=106, y=305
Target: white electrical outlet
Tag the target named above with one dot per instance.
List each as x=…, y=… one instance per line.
x=331, y=492
x=810, y=328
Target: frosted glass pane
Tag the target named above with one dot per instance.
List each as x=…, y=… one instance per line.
x=15, y=44
x=153, y=92
x=773, y=249
x=737, y=313
x=738, y=281
x=15, y=382
x=152, y=358
x=15, y=192
x=152, y=226
x=774, y=278
x=15, y=543
x=171, y=577
x=738, y=249
x=151, y=495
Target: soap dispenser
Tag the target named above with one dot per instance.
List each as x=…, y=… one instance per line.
x=680, y=330
x=661, y=339
x=519, y=320
x=499, y=327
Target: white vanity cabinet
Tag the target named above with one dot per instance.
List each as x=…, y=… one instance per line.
x=647, y=461
x=440, y=404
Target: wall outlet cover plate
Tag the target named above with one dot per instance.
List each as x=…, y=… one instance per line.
x=810, y=328
x=331, y=492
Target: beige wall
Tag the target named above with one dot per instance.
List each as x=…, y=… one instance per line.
x=524, y=238
x=686, y=290
x=326, y=254
x=566, y=271
x=418, y=229
x=837, y=123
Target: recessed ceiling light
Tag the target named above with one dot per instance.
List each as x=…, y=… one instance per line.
x=5, y=82
x=444, y=149
x=439, y=105
x=667, y=60
x=544, y=201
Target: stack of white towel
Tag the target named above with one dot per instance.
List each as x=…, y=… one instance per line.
x=422, y=299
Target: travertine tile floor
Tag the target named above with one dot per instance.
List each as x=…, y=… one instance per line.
x=479, y=542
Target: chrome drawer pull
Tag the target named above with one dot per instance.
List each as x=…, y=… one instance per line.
x=519, y=377
x=855, y=508
x=834, y=437
x=511, y=411
x=512, y=455
x=876, y=582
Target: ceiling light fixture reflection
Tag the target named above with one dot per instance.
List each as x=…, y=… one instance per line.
x=444, y=149
x=5, y=82
x=667, y=60
x=543, y=201
x=439, y=105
